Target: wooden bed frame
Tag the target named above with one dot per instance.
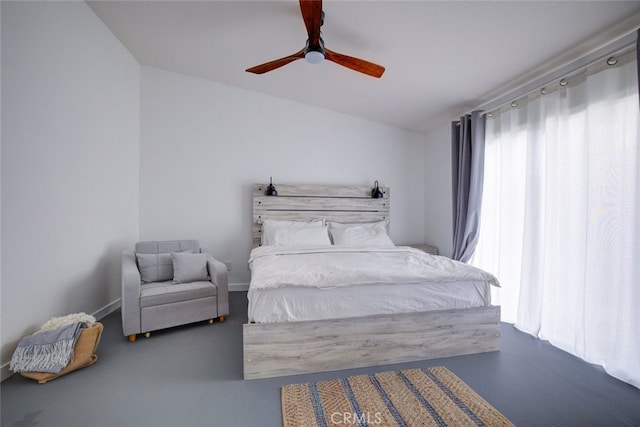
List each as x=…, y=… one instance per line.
x=290, y=348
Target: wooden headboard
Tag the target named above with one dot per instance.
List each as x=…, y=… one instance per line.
x=348, y=204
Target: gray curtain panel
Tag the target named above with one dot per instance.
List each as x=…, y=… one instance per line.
x=638, y=59
x=467, y=155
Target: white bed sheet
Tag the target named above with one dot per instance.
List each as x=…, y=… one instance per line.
x=339, y=266
x=292, y=304
x=295, y=284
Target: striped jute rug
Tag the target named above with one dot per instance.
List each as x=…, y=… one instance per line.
x=412, y=397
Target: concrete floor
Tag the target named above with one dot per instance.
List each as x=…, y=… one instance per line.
x=192, y=376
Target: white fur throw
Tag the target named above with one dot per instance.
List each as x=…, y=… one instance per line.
x=57, y=322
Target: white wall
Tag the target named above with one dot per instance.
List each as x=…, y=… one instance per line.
x=70, y=163
x=1, y=210
x=438, y=222
x=204, y=144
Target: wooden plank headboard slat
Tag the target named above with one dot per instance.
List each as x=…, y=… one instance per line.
x=319, y=203
x=312, y=190
x=340, y=203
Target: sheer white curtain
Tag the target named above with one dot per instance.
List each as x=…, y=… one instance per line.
x=560, y=224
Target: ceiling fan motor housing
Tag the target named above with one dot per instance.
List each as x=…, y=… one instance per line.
x=314, y=55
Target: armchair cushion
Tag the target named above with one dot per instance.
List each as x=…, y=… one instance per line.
x=167, y=246
x=168, y=292
x=155, y=267
x=189, y=267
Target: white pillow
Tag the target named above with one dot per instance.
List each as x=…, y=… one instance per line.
x=308, y=236
x=189, y=267
x=269, y=227
x=372, y=234
x=367, y=225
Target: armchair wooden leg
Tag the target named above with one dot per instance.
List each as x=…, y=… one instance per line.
x=132, y=338
x=221, y=318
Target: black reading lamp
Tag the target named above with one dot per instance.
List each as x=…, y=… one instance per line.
x=271, y=189
x=376, y=193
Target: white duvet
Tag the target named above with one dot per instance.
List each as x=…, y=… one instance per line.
x=331, y=267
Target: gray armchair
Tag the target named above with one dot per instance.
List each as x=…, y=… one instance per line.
x=154, y=296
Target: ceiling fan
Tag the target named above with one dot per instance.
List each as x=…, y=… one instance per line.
x=315, y=52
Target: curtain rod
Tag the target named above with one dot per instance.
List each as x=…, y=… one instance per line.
x=621, y=44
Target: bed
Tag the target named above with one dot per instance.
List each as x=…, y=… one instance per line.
x=304, y=317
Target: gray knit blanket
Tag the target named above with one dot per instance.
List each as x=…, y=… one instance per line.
x=46, y=351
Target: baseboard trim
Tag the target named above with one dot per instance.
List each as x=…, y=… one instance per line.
x=5, y=372
x=107, y=309
x=237, y=287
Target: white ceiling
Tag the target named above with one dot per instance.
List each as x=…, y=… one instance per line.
x=440, y=56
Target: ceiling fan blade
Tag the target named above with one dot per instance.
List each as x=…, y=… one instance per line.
x=312, y=16
x=272, y=65
x=314, y=50
x=356, y=64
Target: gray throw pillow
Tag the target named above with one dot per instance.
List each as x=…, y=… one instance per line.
x=189, y=267
x=155, y=267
